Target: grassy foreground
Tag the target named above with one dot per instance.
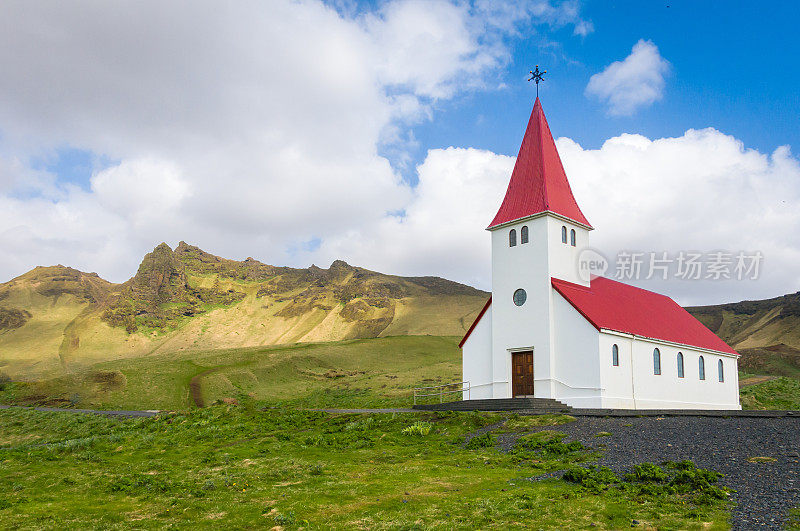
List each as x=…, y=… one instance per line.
x=354, y=373
x=237, y=466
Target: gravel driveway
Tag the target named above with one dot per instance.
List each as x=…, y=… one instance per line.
x=765, y=491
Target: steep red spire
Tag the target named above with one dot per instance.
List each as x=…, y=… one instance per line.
x=538, y=183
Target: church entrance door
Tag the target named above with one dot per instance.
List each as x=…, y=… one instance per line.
x=522, y=373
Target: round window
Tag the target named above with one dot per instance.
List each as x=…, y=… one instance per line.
x=520, y=297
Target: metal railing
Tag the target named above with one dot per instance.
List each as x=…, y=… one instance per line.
x=422, y=392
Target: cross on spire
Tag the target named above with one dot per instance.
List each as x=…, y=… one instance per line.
x=537, y=76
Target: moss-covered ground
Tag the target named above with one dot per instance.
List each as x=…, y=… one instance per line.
x=243, y=467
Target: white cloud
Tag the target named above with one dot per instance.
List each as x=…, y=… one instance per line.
x=635, y=82
x=249, y=128
x=443, y=230
x=246, y=127
x=511, y=15
x=702, y=191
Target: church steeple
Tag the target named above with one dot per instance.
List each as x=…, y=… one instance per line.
x=538, y=183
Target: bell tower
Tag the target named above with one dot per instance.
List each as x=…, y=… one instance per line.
x=536, y=235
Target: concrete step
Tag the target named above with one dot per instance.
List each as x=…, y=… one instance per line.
x=544, y=405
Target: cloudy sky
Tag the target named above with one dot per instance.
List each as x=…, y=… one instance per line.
x=384, y=133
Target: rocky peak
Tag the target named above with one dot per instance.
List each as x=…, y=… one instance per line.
x=340, y=264
x=184, y=252
x=161, y=276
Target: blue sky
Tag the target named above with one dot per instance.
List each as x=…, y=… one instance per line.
x=383, y=133
x=735, y=66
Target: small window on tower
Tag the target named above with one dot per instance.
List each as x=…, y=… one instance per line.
x=523, y=234
x=615, y=355
x=702, y=367
x=721, y=371
x=680, y=365
x=563, y=235
x=572, y=238
x=512, y=238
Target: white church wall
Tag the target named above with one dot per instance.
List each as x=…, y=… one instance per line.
x=564, y=256
x=617, y=381
x=668, y=391
x=477, y=359
x=576, y=378
x=524, y=266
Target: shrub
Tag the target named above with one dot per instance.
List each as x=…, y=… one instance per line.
x=139, y=484
x=418, y=429
x=341, y=440
x=552, y=447
x=647, y=472
x=526, y=501
x=366, y=424
x=650, y=480
x=486, y=440
x=285, y=519
x=593, y=478
x=691, y=479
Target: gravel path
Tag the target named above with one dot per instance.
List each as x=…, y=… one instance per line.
x=765, y=491
x=363, y=410
x=115, y=413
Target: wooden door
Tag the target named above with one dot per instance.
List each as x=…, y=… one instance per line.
x=522, y=373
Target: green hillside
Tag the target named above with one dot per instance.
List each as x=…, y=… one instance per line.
x=766, y=333
x=353, y=373
x=57, y=321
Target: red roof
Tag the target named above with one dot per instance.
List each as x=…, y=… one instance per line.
x=475, y=323
x=612, y=305
x=538, y=182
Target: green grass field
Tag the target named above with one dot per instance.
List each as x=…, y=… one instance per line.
x=379, y=372
x=240, y=467
x=355, y=373
x=780, y=393
x=235, y=464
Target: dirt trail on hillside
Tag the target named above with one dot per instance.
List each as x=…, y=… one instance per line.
x=753, y=380
x=196, y=388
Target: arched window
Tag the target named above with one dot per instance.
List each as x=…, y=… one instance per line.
x=615, y=355
x=563, y=235
x=656, y=361
x=680, y=364
x=721, y=371
x=702, y=368
x=572, y=238
x=512, y=238
x=523, y=234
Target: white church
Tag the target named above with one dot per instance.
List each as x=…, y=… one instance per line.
x=548, y=333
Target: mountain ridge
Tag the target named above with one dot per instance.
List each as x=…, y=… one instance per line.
x=765, y=332
x=56, y=318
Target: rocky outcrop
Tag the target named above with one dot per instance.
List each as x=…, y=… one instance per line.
x=11, y=318
x=160, y=296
